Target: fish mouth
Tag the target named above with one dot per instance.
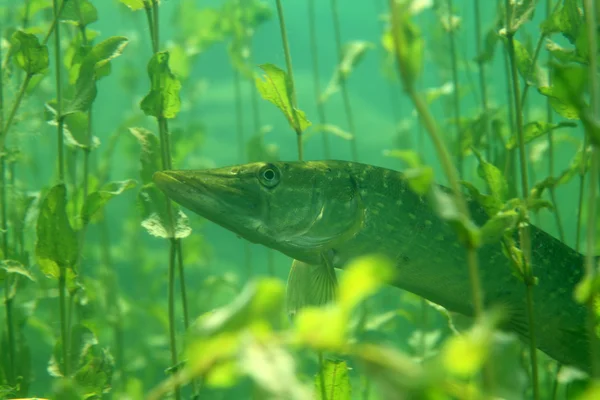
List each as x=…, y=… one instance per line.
x=218, y=197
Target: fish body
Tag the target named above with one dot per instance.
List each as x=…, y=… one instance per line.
x=332, y=211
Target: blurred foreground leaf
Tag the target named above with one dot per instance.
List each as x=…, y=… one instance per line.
x=273, y=368
x=259, y=302
x=163, y=99
x=419, y=177
x=337, y=382
x=409, y=44
x=56, y=245
x=133, y=5
x=276, y=89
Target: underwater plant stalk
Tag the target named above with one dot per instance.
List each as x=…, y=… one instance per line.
x=62, y=280
x=482, y=79
x=590, y=264
x=455, y=94
x=58, y=77
x=171, y=302
x=64, y=327
x=314, y=50
x=3, y=204
x=186, y=318
x=292, y=89
x=163, y=129
x=449, y=169
x=524, y=233
x=557, y=217
x=345, y=97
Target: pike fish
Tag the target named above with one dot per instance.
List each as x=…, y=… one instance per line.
x=325, y=213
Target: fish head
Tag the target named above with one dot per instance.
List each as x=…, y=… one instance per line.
x=292, y=207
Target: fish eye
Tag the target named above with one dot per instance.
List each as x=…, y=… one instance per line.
x=269, y=175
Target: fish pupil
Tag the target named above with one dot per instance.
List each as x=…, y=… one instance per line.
x=269, y=174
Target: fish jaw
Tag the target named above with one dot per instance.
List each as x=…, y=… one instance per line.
x=214, y=196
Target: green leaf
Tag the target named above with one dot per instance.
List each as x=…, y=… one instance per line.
x=489, y=46
x=260, y=301
x=163, y=99
x=530, y=72
x=410, y=44
x=92, y=68
x=521, y=12
x=150, y=155
x=93, y=365
x=419, y=179
x=362, y=278
x=534, y=130
x=276, y=89
x=337, y=382
x=12, y=267
x=79, y=12
x=493, y=177
x=495, y=228
x=352, y=53
x=566, y=20
x=29, y=54
x=56, y=245
x=96, y=201
x=569, y=82
x=446, y=208
x=490, y=204
x=159, y=221
x=273, y=368
x=95, y=370
x=327, y=128
x=133, y=5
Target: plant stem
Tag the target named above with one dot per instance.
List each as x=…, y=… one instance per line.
x=345, y=96
x=171, y=301
x=13, y=111
x=590, y=263
x=5, y=249
x=442, y=151
x=62, y=278
x=163, y=129
x=482, y=79
x=455, y=94
x=314, y=50
x=58, y=77
x=449, y=169
x=524, y=233
x=559, y=226
x=54, y=24
x=184, y=304
x=292, y=89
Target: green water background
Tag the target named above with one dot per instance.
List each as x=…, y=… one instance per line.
x=375, y=116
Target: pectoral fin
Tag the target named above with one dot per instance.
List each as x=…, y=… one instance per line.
x=309, y=285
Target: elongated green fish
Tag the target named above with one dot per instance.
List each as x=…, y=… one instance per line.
x=324, y=213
